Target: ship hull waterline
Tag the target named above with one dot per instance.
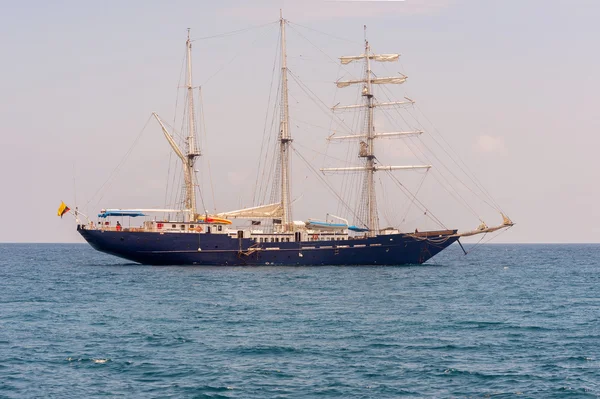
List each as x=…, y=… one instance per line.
x=152, y=248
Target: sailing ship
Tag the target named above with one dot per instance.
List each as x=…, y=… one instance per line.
x=274, y=237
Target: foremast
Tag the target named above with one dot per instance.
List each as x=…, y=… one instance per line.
x=285, y=137
x=189, y=158
x=370, y=216
x=371, y=204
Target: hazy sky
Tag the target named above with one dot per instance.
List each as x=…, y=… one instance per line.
x=512, y=85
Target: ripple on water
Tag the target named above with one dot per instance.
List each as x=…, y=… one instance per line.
x=505, y=321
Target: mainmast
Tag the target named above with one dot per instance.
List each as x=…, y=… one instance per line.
x=284, y=136
x=188, y=159
x=370, y=218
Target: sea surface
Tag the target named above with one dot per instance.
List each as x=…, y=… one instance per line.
x=505, y=321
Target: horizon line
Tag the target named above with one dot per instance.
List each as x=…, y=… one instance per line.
x=488, y=243
x=362, y=1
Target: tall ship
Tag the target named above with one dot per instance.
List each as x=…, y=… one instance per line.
x=267, y=234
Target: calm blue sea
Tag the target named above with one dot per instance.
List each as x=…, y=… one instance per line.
x=505, y=321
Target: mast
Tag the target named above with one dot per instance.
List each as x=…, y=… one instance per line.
x=370, y=155
x=368, y=215
x=189, y=157
x=192, y=151
x=284, y=136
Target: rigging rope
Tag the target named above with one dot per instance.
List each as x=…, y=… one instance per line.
x=116, y=169
x=470, y=175
x=349, y=183
x=336, y=62
x=268, y=173
x=318, y=152
x=256, y=194
x=231, y=60
x=323, y=33
x=456, y=193
x=465, y=203
x=201, y=196
x=312, y=96
x=423, y=207
x=481, y=242
x=389, y=220
x=415, y=195
x=174, y=121
x=322, y=179
x=309, y=124
x=234, y=32
x=203, y=120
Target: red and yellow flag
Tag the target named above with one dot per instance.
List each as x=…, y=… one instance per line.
x=62, y=209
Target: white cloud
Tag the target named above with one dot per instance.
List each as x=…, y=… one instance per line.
x=236, y=178
x=490, y=144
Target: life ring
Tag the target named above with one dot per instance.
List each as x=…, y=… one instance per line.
x=198, y=229
x=315, y=237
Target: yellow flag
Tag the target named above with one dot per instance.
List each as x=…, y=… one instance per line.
x=62, y=209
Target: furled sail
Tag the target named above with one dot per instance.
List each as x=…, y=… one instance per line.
x=257, y=212
x=333, y=137
x=377, y=81
x=375, y=168
x=386, y=104
x=375, y=57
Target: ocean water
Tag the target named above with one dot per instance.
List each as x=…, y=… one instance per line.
x=506, y=321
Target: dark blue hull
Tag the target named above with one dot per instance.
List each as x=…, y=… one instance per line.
x=219, y=249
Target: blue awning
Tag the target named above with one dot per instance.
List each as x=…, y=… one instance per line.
x=357, y=229
x=120, y=213
x=319, y=225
